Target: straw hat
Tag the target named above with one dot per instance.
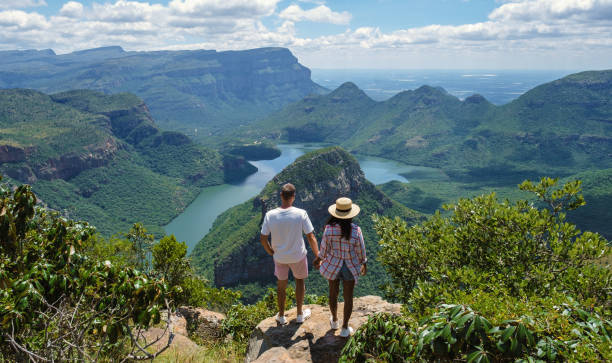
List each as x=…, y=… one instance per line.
x=344, y=209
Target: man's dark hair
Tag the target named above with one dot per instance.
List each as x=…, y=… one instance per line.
x=287, y=191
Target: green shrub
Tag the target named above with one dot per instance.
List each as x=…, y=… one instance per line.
x=384, y=337
x=58, y=303
x=497, y=282
x=242, y=319
x=486, y=243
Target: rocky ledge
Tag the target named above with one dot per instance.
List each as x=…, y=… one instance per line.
x=312, y=341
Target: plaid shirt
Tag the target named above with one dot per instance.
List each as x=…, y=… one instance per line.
x=335, y=250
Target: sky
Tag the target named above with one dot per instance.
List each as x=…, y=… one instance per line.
x=361, y=34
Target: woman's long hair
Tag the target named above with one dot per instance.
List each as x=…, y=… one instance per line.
x=345, y=226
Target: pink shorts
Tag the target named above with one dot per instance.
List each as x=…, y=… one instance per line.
x=299, y=269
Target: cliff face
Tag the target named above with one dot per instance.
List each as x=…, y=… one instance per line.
x=231, y=253
x=201, y=89
x=103, y=159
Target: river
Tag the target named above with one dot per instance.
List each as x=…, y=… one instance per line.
x=195, y=221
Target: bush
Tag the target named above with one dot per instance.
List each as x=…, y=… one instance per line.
x=58, y=303
x=383, y=338
x=494, y=282
x=485, y=243
x=242, y=319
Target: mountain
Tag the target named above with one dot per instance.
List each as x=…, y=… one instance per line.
x=561, y=127
x=101, y=158
x=185, y=90
x=231, y=254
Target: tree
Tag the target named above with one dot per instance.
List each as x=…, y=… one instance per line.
x=170, y=262
x=141, y=245
x=58, y=304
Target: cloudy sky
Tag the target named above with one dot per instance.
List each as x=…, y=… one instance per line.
x=401, y=34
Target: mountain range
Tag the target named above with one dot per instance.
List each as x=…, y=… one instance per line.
x=558, y=127
x=198, y=92
x=101, y=158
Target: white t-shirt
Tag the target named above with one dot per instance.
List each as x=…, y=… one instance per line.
x=286, y=226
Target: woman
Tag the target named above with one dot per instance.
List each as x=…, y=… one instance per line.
x=342, y=257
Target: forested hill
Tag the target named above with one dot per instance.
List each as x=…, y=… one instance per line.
x=185, y=90
x=559, y=127
x=101, y=158
x=231, y=255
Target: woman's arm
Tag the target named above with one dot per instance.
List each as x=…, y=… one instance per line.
x=361, y=253
x=361, y=250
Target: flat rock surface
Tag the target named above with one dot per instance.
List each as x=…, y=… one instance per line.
x=312, y=341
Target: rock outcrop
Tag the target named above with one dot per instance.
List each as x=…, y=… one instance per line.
x=70, y=165
x=204, y=324
x=312, y=341
x=11, y=154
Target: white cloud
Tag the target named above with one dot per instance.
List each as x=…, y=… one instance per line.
x=22, y=21
x=544, y=10
x=21, y=4
x=72, y=9
x=319, y=14
x=230, y=8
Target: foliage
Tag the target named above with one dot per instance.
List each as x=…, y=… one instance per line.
x=242, y=319
x=169, y=260
x=141, y=243
x=197, y=291
x=56, y=302
x=384, y=337
x=497, y=282
x=520, y=247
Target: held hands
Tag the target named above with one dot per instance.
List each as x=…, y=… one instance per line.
x=270, y=251
x=316, y=263
x=364, y=269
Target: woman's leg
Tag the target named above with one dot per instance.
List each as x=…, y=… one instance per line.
x=334, y=289
x=348, y=287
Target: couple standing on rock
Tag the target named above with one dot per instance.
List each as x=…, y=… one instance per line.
x=342, y=255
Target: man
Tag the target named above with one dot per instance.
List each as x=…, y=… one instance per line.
x=286, y=225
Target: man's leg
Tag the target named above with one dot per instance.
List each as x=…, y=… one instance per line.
x=348, y=287
x=281, y=296
x=300, y=273
x=334, y=289
x=300, y=290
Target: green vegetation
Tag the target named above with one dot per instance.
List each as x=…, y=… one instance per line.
x=101, y=158
x=494, y=282
x=58, y=303
x=430, y=196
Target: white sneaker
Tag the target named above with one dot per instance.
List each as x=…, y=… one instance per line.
x=346, y=332
x=281, y=319
x=334, y=324
x=305, y=315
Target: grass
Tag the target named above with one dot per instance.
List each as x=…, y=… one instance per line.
x=230, y=352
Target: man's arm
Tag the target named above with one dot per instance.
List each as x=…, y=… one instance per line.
x=263, y=238
x=312, y=241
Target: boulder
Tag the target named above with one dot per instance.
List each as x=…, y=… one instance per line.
x=312, y=341
x=203, y=323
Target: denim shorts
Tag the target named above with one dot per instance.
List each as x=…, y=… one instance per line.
x=345, y=274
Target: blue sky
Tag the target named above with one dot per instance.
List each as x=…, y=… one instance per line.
x=409, y=34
